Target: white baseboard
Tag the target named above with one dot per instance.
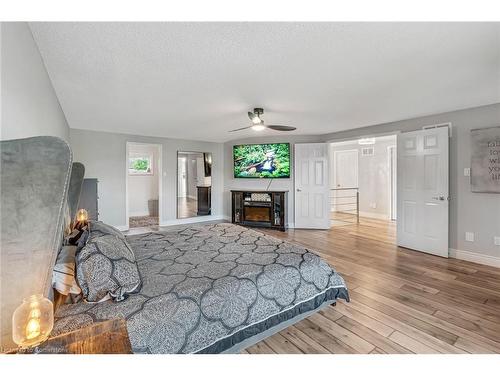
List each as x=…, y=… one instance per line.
x=373, y=215
x=487, y=260
x=191, y=220
x=290, y=226
x=121, y=228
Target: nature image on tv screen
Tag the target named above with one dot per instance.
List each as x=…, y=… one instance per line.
x=270, y=160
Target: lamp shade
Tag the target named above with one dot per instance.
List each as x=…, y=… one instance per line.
x=32, y=321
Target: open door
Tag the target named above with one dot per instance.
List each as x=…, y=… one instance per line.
x=422, y=191
x=312, y=201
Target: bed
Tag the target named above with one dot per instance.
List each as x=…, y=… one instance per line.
x=213, y=288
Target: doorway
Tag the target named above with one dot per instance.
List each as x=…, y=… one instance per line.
x=344, y=192
x=363, y=180
x=143, y=185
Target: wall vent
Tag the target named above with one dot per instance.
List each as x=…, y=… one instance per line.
x=367, y=151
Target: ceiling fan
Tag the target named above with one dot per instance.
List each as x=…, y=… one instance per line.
x=258, y=123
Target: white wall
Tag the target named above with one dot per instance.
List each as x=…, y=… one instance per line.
x=104, y=157
x=373, y=177
x=231, y=183
x=28, y=100
x=473, y=212
x=142, y=188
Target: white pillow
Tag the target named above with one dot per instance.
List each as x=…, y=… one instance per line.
x=63, y=274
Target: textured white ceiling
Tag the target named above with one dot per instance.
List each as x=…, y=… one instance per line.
x=198, y=80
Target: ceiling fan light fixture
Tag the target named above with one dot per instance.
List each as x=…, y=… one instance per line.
x=258, y=128
x=256, y=120
x=257, y=124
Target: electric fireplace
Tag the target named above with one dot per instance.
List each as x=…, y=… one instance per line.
x=259, y=208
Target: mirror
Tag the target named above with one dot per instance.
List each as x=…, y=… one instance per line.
x=194, y=184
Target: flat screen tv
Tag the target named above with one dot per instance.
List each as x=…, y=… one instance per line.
x=270, y=160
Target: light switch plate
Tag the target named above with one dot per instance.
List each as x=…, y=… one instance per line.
x=496, y=240
x=466, y=172
x=469, y=236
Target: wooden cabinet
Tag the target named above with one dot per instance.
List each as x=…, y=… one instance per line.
x=259, y=208
x=204, y=200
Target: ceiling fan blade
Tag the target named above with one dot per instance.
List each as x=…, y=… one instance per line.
x=281, y=128
x=235, y=130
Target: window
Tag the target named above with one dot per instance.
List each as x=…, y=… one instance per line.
x=140, y=164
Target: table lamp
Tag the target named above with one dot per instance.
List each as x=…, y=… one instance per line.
x=32, y=321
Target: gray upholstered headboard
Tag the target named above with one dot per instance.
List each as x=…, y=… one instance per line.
x=35, y=174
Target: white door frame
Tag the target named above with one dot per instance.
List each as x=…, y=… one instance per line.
x=392, y=181
x=160, y=180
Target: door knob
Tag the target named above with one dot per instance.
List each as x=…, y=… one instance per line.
x=440, y=198
x=299, y=190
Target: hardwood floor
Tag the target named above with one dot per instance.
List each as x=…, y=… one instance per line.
x=402, y=301
x=187, y=207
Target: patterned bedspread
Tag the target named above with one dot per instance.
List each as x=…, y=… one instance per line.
x=207, y=287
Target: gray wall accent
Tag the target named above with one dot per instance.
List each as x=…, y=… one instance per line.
x=471, y=212
x=29, y=103
x=104, y=157
x=231, y=183
x=34, y=182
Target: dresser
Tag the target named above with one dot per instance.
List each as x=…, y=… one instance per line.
x=204, y=200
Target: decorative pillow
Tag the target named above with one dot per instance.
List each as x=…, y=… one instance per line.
x=78, y=237
x=63, y=274
x=98, y=228
x=106, y=266
x=82, y=241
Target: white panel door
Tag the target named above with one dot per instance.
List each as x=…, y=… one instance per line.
x=422, y=191
x=345, y=179
x=312, y=200
x=345, y=171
